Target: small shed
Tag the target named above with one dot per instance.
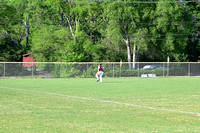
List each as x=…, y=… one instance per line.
x=28, y=58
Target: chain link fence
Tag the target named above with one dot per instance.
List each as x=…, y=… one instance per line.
x=89, y=69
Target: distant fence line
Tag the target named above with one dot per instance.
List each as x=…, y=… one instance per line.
x=89, y=69
x=99, y=62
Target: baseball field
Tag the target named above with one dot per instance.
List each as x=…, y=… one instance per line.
x=116, y=105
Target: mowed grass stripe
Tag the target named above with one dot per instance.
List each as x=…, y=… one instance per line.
x=169, y=93
x=99, y=100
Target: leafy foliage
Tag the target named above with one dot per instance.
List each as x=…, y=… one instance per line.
x=80, y=31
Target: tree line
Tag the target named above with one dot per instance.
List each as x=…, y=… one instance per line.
x=97, y=30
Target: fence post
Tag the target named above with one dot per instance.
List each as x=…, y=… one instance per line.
x=113, y=70
x=32, y=69
x=138, y=69
x=188, y=69
x=60, y=70
x=163, y=70
x=4, y=70
x=168, y=69
x=87, y=69
x=120, y=70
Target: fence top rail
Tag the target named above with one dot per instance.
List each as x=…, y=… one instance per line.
x=101, y=62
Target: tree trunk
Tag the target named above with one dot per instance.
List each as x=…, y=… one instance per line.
x=70, y=27
x=27, y=31
x=128, y=51
x=128, y=41
x=134, y=56
x=62, y=19
x=61, y=16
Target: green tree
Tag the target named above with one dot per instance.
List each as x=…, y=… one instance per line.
x=171, y=32
x=193, y=44
x=62, y=30
x=123, y=25
x=11, y=33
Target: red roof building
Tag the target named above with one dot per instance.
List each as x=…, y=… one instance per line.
x=28, y=58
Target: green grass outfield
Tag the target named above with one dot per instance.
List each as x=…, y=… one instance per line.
x=116, y=105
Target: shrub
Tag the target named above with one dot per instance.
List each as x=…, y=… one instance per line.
x=177, y=71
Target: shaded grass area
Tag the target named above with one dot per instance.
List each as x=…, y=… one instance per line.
x=29, y=111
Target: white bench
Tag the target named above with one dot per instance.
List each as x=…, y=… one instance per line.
x=148, y=75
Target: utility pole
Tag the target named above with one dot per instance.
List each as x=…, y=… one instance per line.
x=27, y=30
